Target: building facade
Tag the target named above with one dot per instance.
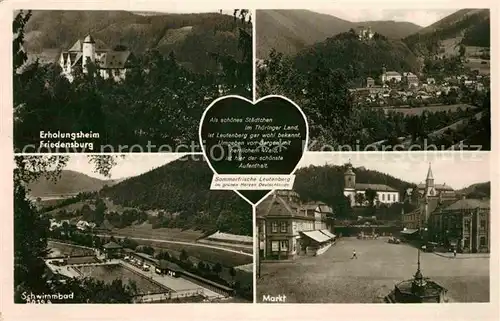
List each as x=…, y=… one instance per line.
x=388, y=76
x=384, y=194
x=411, y=80
x=109, y=63
x=287, y=228
x=463, y=225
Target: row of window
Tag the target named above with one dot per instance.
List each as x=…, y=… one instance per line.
x=390, y=197
x=482, y=242
x=279, y=226
x=279, y=246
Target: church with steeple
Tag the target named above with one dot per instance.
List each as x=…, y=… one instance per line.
x=427, y=197
x=109, y=63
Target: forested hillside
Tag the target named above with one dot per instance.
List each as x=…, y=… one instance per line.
x=326, y=183
x=181, y=190
x=478, y=190
x=68, y=182
x=190, y=36
x=159, y=104
x=360, y=59
x=289, y=31
x=469, y=27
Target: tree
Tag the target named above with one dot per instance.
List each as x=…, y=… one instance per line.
x=370, y=195
x=232, y=272
x=462, y=50
x=360, y=199
x=217, y=268
x=183, y=256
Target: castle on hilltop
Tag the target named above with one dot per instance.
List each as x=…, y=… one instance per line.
x=109, y=63
x=364, y=33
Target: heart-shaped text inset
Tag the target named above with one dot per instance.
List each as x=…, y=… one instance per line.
x=263, y=138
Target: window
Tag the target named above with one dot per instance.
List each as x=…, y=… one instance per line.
x=274, y=227
x=467, y=225
x=482, y=241
x=275, y=246
x=483, y=224
x=383, y=197
x=284, y=245
x=283, y=227
x=466, y=242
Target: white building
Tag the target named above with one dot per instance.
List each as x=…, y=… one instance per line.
x=109, y=63
x=388, y=76
x=384, y=194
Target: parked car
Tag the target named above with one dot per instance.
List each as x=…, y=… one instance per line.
x=145, y=267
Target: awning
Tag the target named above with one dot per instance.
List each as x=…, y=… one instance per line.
x=327, y=233
x=317, y=236
x=409, y=231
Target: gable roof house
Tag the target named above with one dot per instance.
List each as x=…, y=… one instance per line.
x=111, y=64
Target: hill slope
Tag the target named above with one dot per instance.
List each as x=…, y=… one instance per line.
x=190, y=36
x=70, y=182
x=182, y=187
x=289, y=31
x=478, y=190
x=359, y=59
x=470, y=27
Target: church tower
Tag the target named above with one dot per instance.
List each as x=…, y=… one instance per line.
x=383, y=77
x=350, y=184
x=430, y=191
x=88, y=51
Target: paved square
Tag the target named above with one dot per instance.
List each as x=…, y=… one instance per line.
x=336, y=278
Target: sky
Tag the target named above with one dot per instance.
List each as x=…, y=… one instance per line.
x=420, y=17
x=131, y=165
x=456, y=169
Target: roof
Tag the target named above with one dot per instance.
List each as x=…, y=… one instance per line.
x=164, y=264
x=439, y=187
x=393, y=73
x=375, y=187
x=112, y=245
x=77, y=46
x=276, y=205
x=409, y=231
x=114, y=59
x=327, y=233
x=230, y=237
x=469, y=203
x=316, y=235
x=88, y=39
x=246, y=267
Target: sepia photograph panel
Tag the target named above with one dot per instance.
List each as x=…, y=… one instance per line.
x=119, y=81
x=378, y=228
x=381, y=79
x=128, y=229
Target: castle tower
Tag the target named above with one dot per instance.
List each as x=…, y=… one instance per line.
x=88, y=51
x=350, y=184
